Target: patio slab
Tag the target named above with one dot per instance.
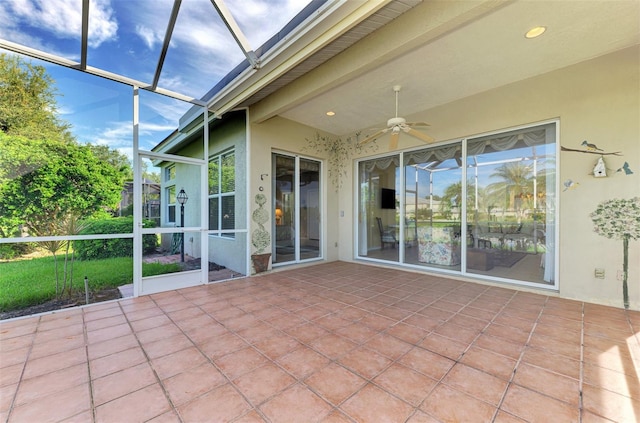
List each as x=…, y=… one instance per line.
x=331, y=342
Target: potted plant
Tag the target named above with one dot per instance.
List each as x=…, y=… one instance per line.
x=260, y=236
x=619, y=219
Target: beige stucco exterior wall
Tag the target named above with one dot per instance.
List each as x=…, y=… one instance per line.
x=598, y=101
x=282, y=135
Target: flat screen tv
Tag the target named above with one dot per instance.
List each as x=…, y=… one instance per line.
x=387, y=198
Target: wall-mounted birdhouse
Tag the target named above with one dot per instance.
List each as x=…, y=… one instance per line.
x=600, y=169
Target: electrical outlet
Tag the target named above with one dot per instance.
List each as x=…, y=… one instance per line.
x=598, y=273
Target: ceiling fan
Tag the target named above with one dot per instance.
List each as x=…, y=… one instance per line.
x=397, y=124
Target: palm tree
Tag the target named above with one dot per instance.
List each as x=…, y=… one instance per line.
x=516, y=181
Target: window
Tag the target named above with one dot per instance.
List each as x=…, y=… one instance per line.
x=170, y=190
x=171, y=204
x=484, y=206
x=222, y=199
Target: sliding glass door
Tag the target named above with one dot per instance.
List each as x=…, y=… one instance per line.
x=498, y=224
x=297, y=206
x=379, y=211
x=511, y=204
x=433, y=207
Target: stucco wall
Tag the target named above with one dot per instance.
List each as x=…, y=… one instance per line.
x=232, y=133
x=282, y=135
x=598, y=101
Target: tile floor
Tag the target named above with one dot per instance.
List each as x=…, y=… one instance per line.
x=336, y=342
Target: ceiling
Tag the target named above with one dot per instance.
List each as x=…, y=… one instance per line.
x=465, y=55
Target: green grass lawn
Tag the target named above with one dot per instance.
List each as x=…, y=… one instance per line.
x=25, y=283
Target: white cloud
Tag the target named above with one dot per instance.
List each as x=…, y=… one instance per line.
x=62, y=18
x=148, y=35
x=102, y=23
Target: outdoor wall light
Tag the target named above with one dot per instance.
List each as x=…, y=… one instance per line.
x=182, y=198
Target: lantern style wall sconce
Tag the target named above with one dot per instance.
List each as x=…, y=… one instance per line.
x=278, y=215
x=182, y=198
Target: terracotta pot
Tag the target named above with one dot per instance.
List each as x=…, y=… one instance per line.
x=261, y=262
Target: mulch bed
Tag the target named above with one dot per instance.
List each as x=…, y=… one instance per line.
x=63, y=303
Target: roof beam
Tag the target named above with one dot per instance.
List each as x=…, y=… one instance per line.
x=236, y=32
x=85, y=34
x=61, y=61
x=319, y=30
x=167, y=39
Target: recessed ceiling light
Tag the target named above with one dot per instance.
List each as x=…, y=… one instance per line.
x=331, y=113
x=535, y=32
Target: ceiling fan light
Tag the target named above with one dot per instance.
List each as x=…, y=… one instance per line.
x=535, y=32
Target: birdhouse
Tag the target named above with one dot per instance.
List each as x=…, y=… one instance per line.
x=600, y=169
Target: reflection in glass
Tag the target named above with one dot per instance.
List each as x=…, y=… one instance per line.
x=296, y=209
x=222, y=174
x=433, y=207
x=510, y=204
x=379, y=208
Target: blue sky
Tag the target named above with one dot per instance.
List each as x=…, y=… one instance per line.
x=125, y=37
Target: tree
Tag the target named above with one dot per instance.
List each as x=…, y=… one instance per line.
x=28, y=101
x=63, y=178
x=516, y=179
x=119, y=161
x=619, y=219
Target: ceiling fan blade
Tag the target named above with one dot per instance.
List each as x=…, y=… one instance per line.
x=373, y=137
x=395, y=137
x=419, y=124
x=417, y=134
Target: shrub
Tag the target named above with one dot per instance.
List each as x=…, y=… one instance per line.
x=91, y=249
x=12, y=251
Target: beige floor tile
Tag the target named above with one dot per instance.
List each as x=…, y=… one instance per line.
x=302, y=362
x=333, y=346
x=7, y=394
x=263, y=383
x=489, y=362
x=626, y=384
x=615, y=407
x=552, y=362
x=222, y=345
x=277, y=346
x=450, y=405
x=186, y=386
x=335, y=383
x=107, y=334
x=51, y=363
x=115, y=362
x=111, y=346
x=336, y=342
x=532, y=406
x=57, y=345
x=444, y=346
x=121, y=383
x=240, y=362
x=372, y=404
x=475, y=383
x=54, y=407
x=139, y=406
x=295, y=404
x=557, y=386
x=407, y=384
x=50, y=383
x=167, y=346
x=177, y=362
